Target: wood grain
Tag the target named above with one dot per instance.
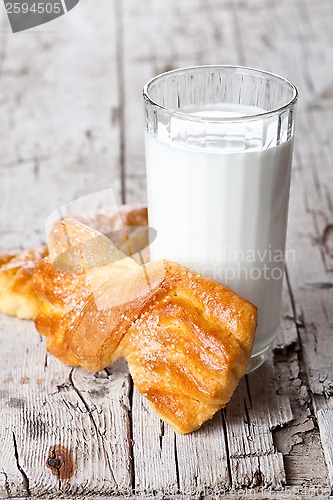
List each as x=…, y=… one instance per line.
x=60, y=134
x=72, y=124
x=293, y=31
x=47, y=404
x=325, y=421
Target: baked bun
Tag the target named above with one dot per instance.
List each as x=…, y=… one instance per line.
x=187, y=339
x=17, y=292
x=127, y=226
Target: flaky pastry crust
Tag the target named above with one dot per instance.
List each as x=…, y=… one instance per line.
x=17, y=292
x=186, y=338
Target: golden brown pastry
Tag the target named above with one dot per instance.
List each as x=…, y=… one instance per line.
x=187, y=339
x=17, y=293
x=128, y=228
x=68, y=284
x=189, y=348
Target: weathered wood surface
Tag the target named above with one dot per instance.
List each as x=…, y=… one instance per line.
x=325, y=421
x=71, y=124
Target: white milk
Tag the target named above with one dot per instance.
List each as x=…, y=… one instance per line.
x=224, y=213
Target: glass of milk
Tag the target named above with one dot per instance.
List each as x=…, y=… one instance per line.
x=219, y=143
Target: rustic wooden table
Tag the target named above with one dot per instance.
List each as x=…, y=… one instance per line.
x=71, y=124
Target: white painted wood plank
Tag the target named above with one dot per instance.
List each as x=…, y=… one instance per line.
x=325, y=421
x=169, y=463
x=66, y=101
x=173, y=34
x=203, y=461
x=293, y=52
x=253, y=412
x=315, y=26
x=287, y=337
x=47, y=404
x=58, y=95
x=300, y=441
x=312, y=299
x=153, y=450
x=315, y=154
x=136, y=188
x=306, y=493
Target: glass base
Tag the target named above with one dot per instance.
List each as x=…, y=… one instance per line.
x=258, y=359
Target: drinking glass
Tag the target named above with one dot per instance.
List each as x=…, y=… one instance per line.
x=219, y=143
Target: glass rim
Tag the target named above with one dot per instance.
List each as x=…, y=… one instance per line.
x=192, y=117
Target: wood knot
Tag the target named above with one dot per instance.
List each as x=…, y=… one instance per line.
x=258, y=478
x=60, y=462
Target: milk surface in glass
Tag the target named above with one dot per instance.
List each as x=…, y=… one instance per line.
x=223, y=212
